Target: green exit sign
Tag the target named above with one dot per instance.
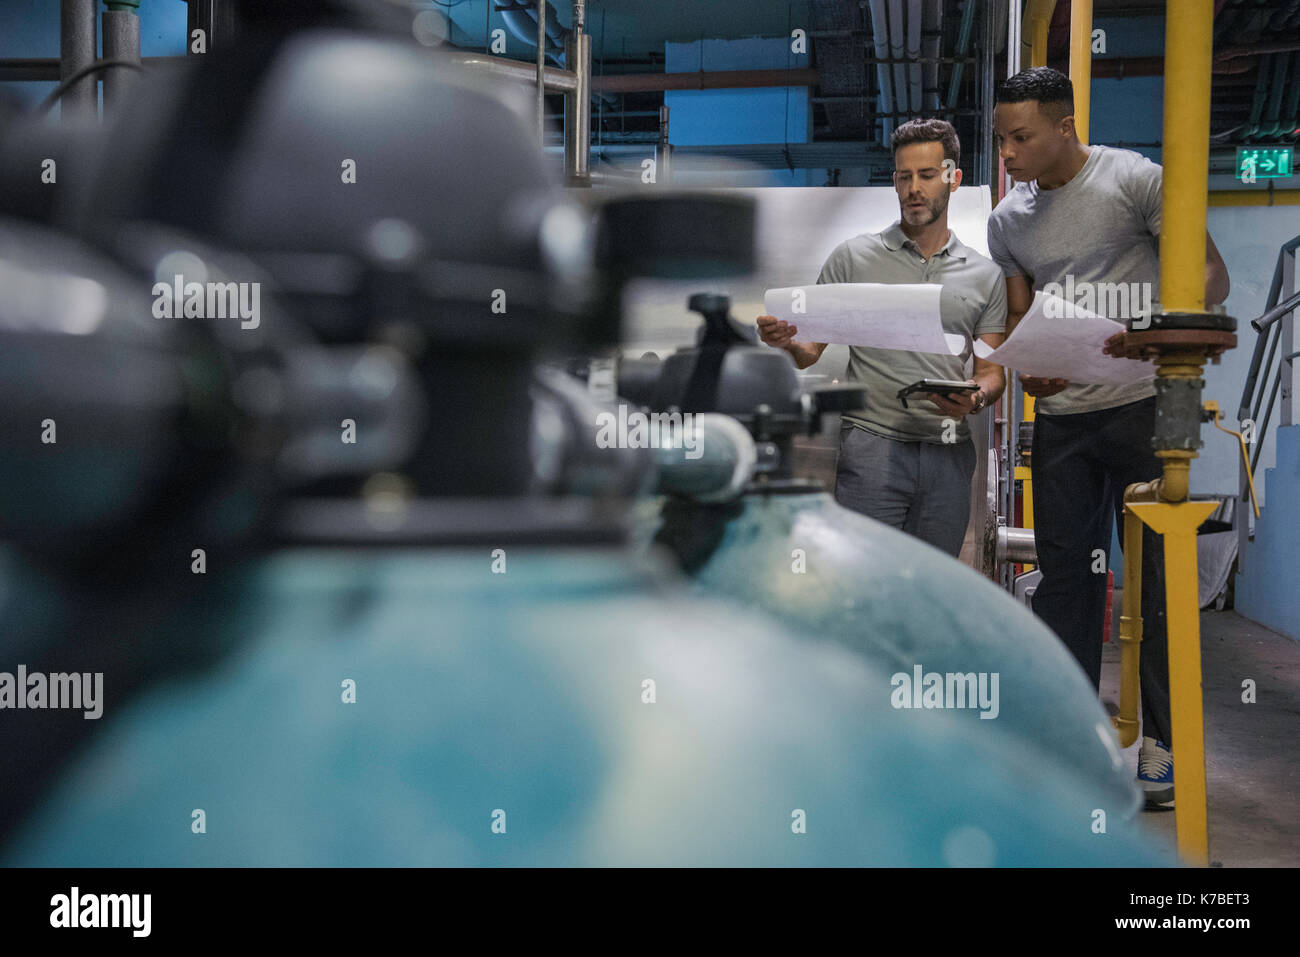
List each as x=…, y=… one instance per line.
x=1268, y=162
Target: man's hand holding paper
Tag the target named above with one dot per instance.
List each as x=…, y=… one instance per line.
x=1057, y=340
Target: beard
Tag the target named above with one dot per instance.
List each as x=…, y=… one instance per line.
x=933, y=210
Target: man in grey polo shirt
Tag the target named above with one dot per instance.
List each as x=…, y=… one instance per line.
x=911, y=467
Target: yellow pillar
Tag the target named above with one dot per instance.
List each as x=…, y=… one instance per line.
x=1081, y=64
x=1189, y=35
x=1178, y=524
x=1034, y=27
x=1025, y=475
x=1130, y=631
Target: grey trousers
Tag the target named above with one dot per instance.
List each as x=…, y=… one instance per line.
x=922, y=488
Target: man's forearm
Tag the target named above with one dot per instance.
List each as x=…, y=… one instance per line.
x=991, y=383
x=804, y=353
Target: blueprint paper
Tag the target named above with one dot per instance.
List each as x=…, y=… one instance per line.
x=1066, y=347
x=875, y=315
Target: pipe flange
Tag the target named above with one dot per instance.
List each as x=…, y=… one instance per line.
x=1153, y=343
x=1184, y=320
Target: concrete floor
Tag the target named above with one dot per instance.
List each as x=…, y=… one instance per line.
x=1252, y=751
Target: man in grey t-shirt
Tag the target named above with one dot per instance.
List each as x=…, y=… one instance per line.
x=1087, y=219
x=911, y=466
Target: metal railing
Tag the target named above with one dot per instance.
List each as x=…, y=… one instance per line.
x=1276, y=328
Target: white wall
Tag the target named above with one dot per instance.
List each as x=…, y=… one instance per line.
x=1248, y=237
x=797, y=227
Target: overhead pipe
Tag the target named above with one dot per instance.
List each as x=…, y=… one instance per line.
x=706, y=80
x=1261, y=94
x=1081, y=65
x=897, y=51
x=577, y=102
x=1225, y=24
x=1002, y=10
x=1232, y=53
x=1291, y=111
x=963, y=44
x=541, y=72
x=1278, y=21
x=987, y=149
x=522, y=20
x=121, y=42
x=1272, y=118
x=931, y=25
x=521, y=71
x=884, y=78
x=77, y=49
x=1155, y=65
x=914, y=54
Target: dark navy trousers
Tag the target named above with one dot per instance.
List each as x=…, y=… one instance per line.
x=1081, y=464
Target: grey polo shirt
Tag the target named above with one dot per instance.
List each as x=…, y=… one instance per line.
x=972, y=303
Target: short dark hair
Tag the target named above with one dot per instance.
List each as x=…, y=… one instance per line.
x=928, y=131
x=1051, y=88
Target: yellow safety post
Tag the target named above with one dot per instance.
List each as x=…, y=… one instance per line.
x=1189, y=37
x=1178, y=524
x=1034, y=27
x=1180, y=337
x=1130, y=632
x=1189, y=41
x=1025, y=476
x=1081, y=64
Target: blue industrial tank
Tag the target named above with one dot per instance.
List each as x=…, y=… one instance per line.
x=786, y=547
x=506, y=719
x=453, y=659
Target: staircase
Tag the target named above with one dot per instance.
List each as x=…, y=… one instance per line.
x=1268, y=584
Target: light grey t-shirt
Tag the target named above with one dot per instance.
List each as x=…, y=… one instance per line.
x=1103, y=226
x=972, y=303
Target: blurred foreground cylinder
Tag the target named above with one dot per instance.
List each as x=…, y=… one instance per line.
x=786, y=547
x=413, y=708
